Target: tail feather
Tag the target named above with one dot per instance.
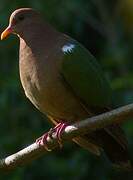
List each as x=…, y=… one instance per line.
x=116, y=152
x=114, y=144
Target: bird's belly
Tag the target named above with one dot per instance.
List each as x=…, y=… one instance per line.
x=56, y=100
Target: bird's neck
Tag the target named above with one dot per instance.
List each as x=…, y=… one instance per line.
x=39, y=36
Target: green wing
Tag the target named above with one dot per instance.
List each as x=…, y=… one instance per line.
x=82, y=72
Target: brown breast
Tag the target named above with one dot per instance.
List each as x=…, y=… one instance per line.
x=44, y=86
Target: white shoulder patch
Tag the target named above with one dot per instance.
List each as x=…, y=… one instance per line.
x=68, y=48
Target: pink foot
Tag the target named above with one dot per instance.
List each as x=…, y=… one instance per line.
x=42, y=141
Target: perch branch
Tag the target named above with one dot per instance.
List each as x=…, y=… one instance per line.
x=34, y=151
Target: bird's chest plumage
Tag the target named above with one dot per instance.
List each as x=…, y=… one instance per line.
x=44, y=86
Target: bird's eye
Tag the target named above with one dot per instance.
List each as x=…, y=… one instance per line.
x=20, y=18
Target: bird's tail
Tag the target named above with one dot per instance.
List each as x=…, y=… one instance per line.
x=114, y=144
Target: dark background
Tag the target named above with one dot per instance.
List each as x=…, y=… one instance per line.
x=106, y=29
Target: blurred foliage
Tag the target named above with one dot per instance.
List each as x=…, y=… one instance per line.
x=105, y=28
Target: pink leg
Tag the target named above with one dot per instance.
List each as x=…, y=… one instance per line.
x=42, y=141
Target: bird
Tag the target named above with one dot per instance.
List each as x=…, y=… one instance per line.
x=65, y=82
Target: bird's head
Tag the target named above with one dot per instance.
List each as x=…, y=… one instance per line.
x=19, y=20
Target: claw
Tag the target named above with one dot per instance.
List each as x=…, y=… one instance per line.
x=42, y=141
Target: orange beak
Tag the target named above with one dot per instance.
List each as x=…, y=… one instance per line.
x=6, y=32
